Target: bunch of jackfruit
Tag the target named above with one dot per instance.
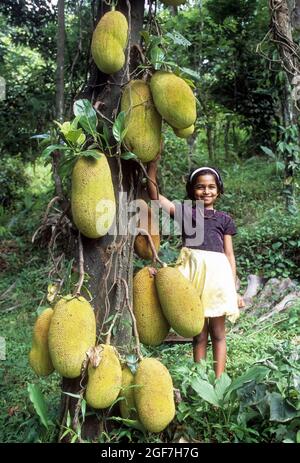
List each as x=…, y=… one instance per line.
x=166, y=299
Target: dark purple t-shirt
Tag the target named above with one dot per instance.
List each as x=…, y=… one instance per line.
x=216, y=224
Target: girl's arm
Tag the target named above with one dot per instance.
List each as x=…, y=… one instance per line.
x=228, y=249
x=153, y=192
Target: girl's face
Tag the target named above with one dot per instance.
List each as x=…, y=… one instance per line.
x=206, y=189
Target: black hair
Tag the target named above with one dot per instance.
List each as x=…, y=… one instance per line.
x=191, y=183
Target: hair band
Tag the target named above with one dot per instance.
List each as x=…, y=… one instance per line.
x=204, y=168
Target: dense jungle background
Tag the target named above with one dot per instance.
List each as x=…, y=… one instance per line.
x=247, y=126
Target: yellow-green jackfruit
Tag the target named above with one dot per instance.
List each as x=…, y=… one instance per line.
x=105, y=380
x=147, y=221
x=143, y=123
x=184, y=133
x=109, y=42
x=153, y=395
x=173, y=2
x=180, y=302
x=92, y=199
x=152, y=325
x=173, y=99
x=127, y=405
x=72, y=332
x=39, y=357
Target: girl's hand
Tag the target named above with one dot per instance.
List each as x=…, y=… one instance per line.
x=240, y=301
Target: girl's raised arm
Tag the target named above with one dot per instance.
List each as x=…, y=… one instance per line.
x=152, y=187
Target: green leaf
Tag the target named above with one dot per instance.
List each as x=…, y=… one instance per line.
x=128, y=155
x=119, y=130
x=221, y=385
x=156, y=57
x=280, y=410
x=94, y=153
x=178, y=39
x=191, y=73
x=206, y=391
x=269, y=152
x=134, y=424
x=76, y=396
x=39, y=403
x=47, y=151
x=41, y=136
x=87, y=116
x=255, y=373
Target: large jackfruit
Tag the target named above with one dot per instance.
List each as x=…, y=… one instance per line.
x=173, y=2
x=127, y=405
x=180, y=302
x=72, y=332
x=173, y=99
x=152, y=325
x=109, y=42
x=105, y=380
x=147, y=221
x=184, y=133
x=153, y=395
x=92, y=199
x=143, y=123
x=39, y=357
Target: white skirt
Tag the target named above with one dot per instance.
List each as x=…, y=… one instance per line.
x=211, y=274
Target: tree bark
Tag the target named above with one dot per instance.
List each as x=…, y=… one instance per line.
x=109, y=260
x=60, y=60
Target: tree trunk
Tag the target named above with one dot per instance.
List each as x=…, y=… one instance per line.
x=60, y=60
x=109, y=260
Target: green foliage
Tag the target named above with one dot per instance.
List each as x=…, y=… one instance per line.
x=13, y=180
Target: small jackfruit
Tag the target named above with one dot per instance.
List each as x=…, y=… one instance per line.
x=39, y=357
x=152, y=325
x=153, y=395
x=143, y=123
x=92, y=198
x=127, y=405
x=184, y=133
x=173, y=99
x=109, y=42
x=147, y=221
x=180, y=302
x=105, y=380
x=72, y=332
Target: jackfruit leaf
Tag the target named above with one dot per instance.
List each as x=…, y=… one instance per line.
x=47, y=151
x=280, y=410
x=178, y=39
x=87, y=116
x=95, y=154
x=190, y=72
x=156, y=57
x=75, y=136
x=128, y=155
x=146, y=36
x=131, y=361
x=39, y=403
x=119, y=130
x=206, y=391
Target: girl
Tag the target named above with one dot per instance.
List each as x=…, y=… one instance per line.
x=210, y=266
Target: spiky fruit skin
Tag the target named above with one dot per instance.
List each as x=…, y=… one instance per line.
x=109, y=42
x=72, y=332
x=92, y=198
x=173, y=2
x=147, y=221
x=184, y=133
x=173, y=99
x=39, y=357
x=152, y=325
x=143, y=122
x=154, y=395
x=180, y=302
x=104, y=381
x=127, y=405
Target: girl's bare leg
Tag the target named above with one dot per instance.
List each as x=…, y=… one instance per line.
x=200, y=343
x=218, y=338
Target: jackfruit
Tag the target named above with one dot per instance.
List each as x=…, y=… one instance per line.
x=184, y=133
x=173, y=99
x=180, y=302
x=39, y=357
x=147, y=221
x=152, y=325
x=173, y=2
x=105, y=380
x=109, y=42
x=143, y=123
x=92, y=198
x=72, y=332
x=127, y=405
x=153, y=395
